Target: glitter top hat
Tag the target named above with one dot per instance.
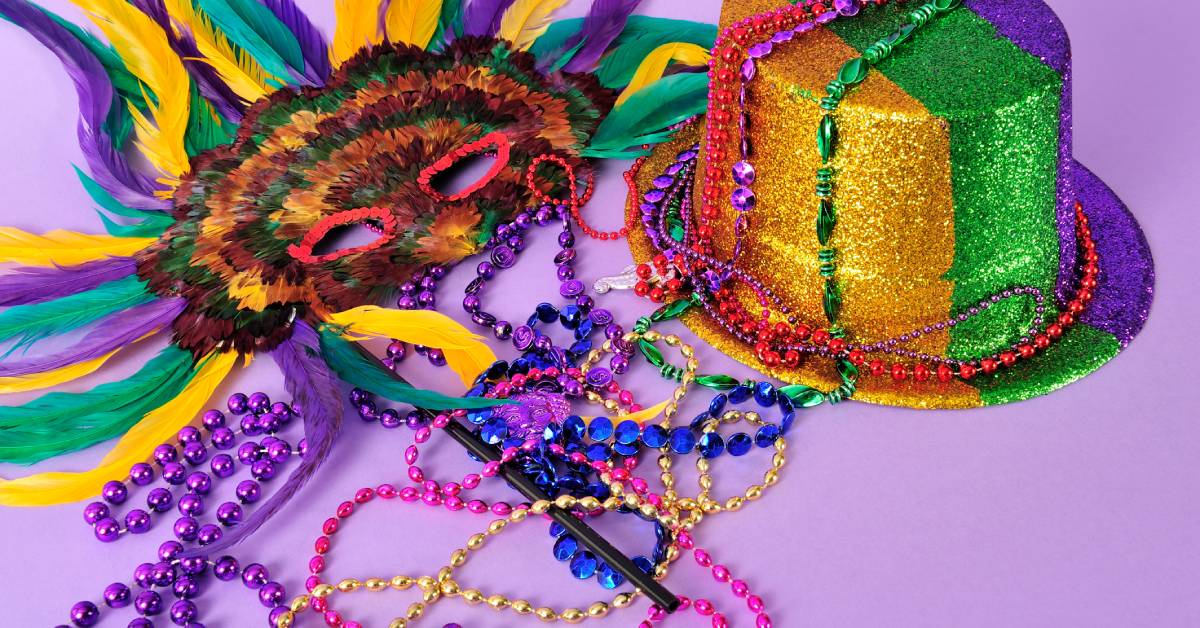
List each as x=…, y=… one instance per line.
x=882, y=202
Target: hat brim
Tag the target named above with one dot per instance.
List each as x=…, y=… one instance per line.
x=1116, y=314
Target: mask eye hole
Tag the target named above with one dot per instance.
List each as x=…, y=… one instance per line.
x=467, y=169
x=345, y=233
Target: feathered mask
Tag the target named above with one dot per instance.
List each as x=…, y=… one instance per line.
x=263, y=141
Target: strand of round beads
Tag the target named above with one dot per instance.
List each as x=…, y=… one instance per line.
x=768, y=433
x=705, y=608
x=184, y=578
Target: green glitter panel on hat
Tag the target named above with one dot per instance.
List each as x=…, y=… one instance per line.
x=1081, y=350
x=1002, y=108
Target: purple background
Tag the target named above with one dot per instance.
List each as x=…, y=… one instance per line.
x=1076, y=509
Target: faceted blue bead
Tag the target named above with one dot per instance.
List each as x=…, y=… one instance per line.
x=477, y=391
x=552, y=433
x=479, y=416
x=584, y=564
x=546, y=312
x=764, y=394
x=601, y=428
x=519, y=365
x=785, y=402
x=573, y=428
x=556, y=529
x=626, y=450
x=627, y=432
x=580, y=348
x=570, y=316
x=597, y=452
x=654, y=436
x=643, y=563
x=565, y=546
x=682, y=440
x=512, y=441
x=585, y=329
x=494, y=430
x=766, y=436
x=740, y=393
x=786, y=424
x=700, y=419
x=599, y=490
x=739, y=444
x=498, y=369
x=609, y=578
x=572, y=482
x=711, y=445
x=717, y=405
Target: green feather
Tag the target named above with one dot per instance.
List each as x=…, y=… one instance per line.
x=206, y=128
x=149, y=225
x=253, y=28
x=555, y=37
x=352, y=366
x=641, y=36
x=450, y=21
x=60, y=422
x=643, y=118
x=30, y=323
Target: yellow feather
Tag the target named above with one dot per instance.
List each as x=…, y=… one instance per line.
x=143, y=47
x=239, y=70
x=57, y=487
x=465, y=352
x=655, y=64
x=357, y=27
x=526, y=20
x=38, y=381
x=64, y=248
x=412, y=21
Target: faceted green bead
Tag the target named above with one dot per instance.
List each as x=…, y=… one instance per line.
x=832, y=301
x=946, y=5
x=717, y=382
x=826, y=137
x=803, y=396
x=826, y=220
x=854, y=71
x=671, y=310
x=641, y=325
x=675, y=230
x=653, y=355
x=848, y=371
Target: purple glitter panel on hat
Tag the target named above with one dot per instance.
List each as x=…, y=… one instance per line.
x=536, y=410
x=1034, y=28
x=1126, y=283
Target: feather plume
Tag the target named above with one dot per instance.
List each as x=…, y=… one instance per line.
x=466, y=353
x=40, y=381
x=312, y=43
x=647, y=115
x=59, y=422
x=30, y=323
x=254, y=29
x=314, y=387
x=526, y=20
x=119, y=330
x=94, y=87
x=66, y=248
x=149, y=223
x=641, y=36
x=357, y=28
x=144, y=48
x=655, y=64
x=164, y=404
x=603, y=23
x=30, y=284
x=351, y=365
x=244, y=75
x=412, y=22
x=449, y=23
x=481, y=18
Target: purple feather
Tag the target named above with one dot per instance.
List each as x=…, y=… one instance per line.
x=208, y=81
x=113, y=332
x=313, y=387
x=604, y=22
x=312, y=43
x=29, y=284
x=482, y=17
x=96, y=98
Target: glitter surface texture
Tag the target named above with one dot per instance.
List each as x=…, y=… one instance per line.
x=1034, y=28
x=1002, y=108
x=955, y=182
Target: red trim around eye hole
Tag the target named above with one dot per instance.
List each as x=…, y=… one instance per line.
x=495, y=138
x=304, y=251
